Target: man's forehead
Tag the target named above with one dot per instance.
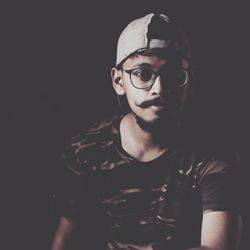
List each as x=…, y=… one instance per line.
x=154, y=61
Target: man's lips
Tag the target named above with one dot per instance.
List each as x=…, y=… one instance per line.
x=156, y=107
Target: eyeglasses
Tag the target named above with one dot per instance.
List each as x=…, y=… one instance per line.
x=144, y=78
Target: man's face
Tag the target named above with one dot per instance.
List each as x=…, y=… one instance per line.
x=164, y=99
x=159, y=100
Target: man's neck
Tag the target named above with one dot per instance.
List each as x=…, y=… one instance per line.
x=142, y=145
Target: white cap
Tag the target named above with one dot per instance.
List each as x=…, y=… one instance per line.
x=145, y=33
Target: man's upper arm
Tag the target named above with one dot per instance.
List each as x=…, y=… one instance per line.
x=221, y=230
x=220, y=187
x=63, y=234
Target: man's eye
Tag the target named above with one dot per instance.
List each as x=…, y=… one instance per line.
x=144, y=74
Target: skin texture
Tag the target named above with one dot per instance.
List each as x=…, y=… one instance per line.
x=145, y=145
x=135, y=97
x=63, y=234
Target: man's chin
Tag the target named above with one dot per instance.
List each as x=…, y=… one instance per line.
x=153, y=120
x=156, y=121
x=149, y=124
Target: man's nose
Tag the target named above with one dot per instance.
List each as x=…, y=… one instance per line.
x=158, y=85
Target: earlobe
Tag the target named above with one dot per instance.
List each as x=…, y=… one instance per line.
x=117, y=81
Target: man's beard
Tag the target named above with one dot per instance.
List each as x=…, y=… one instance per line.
x=164, y=129
x=147, y=126
x=163, y=123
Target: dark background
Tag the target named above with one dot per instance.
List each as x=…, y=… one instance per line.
x=57, y=61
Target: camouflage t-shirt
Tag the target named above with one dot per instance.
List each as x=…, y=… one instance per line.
x=122, y=203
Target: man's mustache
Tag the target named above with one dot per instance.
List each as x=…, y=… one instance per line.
x=156, y=102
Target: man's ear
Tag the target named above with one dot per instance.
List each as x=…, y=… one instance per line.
x=117, y=81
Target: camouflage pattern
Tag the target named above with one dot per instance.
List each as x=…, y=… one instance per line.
x=143, y=205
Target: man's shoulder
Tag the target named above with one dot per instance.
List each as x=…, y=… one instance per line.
x=216, y=161
x=94, y=132
x=97, y=133
x=88, y=145
x=205, y=161
x=200, y=164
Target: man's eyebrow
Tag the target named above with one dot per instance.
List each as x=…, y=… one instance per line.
x=146, y=65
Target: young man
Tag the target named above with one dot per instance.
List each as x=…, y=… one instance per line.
x=133, y=181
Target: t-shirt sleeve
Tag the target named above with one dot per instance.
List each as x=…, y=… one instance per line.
x=79, y=163
x=220, y=187
x=71, y=194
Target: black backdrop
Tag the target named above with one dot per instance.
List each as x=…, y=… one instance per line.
x=57, y=61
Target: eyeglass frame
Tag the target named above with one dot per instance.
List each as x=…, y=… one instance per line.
x=156, y=74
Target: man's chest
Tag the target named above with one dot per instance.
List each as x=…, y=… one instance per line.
x=144, y=204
